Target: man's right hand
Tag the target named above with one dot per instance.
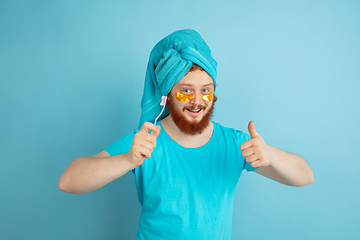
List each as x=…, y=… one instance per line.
x=143, y=143
x=86, y=174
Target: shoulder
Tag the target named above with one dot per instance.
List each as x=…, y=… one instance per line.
x=127, y=137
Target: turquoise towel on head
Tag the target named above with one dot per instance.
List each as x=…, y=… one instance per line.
x=169, y=62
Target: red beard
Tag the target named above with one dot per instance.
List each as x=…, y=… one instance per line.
x=184, y=125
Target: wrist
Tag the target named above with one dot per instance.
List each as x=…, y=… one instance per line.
x=130, y=164
x=275, y=155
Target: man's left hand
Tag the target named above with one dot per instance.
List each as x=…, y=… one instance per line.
x=255, y=150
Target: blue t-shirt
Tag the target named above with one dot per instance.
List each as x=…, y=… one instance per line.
x=188, y=193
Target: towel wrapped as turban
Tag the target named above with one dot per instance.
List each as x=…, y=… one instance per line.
x=170, y=60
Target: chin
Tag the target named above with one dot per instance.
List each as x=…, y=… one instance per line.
x=188, y=124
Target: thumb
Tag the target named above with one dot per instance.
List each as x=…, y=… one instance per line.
x=252, y=130
x=158, y=132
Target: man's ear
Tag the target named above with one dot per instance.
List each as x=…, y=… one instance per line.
x=169, y=94
x=215, y=98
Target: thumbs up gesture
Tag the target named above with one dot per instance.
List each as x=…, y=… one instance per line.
x=255, y=150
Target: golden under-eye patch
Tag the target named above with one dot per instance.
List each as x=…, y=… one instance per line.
x=208, y=97
x=186, y=97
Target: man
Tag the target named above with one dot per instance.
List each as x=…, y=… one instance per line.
x=186, y=167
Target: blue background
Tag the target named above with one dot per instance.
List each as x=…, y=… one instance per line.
x=71, y=78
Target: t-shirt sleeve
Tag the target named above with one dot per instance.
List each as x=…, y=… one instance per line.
x=122, y=145
x=242, y=137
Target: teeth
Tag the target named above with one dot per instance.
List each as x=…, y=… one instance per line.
x=195, y=110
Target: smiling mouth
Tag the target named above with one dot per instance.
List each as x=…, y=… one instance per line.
x=194, y=110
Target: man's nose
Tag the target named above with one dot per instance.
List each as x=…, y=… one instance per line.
x=197, y=99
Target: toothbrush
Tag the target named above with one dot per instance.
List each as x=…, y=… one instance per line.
x=162, y=103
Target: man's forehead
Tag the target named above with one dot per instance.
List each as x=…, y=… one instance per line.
x=189, y=80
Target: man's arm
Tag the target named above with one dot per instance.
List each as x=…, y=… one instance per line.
x=287, y=168
x=86, y=174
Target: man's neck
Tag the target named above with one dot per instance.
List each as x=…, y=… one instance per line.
x=186, y=140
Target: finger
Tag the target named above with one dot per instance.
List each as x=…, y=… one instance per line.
x=148, y=145
x=257, y=163
x=158, y=132
x=252, y=158
x=246, y=144
x=252, y=130
x=148, y=137
x=145, y=152
x=151, y=139
x=247, y=152
x=147, y=126
x=139, y=155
